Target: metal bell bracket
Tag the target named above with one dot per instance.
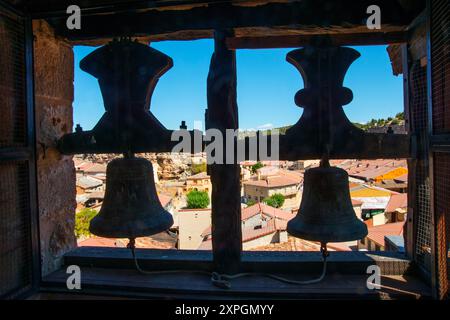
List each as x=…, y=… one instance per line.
x=323, y=127
x=127, y=72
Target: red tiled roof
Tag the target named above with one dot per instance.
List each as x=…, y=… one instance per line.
x=96, y=195
x=252, y=233
x=248, y=234
x=247, y=163
x=372, y=168
x=251, y=211
x=165, y=242
x=95, y=167
x=98, y=242
x=192, y=210
x=164, y=199
x=278, y=178
x=260, y=208
x=273, y=181
x=205, y=245
x=272, y=226
x=402, y=178
x=397, y=201
x=377, y=233
x=272, y=212
x=275, y=212
x=337, y=246
x=198, y=176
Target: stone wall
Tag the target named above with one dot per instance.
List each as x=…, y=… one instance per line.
x=54, y=74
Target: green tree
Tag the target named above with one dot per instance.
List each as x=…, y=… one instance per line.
x=251, y=202
x=257, y=166
x=198, y=167
x=276, y=200
x=197, y=199
x=400, y=116
x=82, y=220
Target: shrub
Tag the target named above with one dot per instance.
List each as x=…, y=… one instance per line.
x=198, y=167
x=257, y=166
x=276, y=200
x=82, y=220
x=197, y=199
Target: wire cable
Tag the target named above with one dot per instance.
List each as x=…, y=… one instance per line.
x=223, y=280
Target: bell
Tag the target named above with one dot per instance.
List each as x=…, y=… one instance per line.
x=326, y=213
x=131, y=207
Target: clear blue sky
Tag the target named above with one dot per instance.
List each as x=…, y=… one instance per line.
x=266, y=87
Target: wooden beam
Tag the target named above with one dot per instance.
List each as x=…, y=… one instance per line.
x=303, y=262
x=320, y=15
x=295, y=41
x=225, y=178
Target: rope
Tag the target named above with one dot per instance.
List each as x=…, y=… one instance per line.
x=223, y=280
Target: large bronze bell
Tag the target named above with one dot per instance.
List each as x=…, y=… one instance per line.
x=326, y=213
x=131, y=207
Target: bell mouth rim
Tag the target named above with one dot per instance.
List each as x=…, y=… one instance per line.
x=318, y=232
x=97, y=228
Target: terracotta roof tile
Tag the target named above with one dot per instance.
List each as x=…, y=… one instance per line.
x=164, y=199
x=397, y=201
x=377, y=233
x=198, y=176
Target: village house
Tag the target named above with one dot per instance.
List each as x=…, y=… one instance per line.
x=397, y=208
x=191, y=224
x=86, y=184
x=374, y=201
x=261, y=225
x=200, y=182
x=304, y=164
x=377, y=170
x=272, y=181
x=264, y=228
x=376, y=238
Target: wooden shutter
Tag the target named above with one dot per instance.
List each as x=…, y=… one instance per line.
x=19, y=244
x=439, y=98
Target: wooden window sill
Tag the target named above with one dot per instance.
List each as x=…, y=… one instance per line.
x=110, y=272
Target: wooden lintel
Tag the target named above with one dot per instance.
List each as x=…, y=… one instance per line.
x=322, y=16
x=295, y=41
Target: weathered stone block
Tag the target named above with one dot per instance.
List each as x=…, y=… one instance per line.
x=53, y=76
x=53, y=64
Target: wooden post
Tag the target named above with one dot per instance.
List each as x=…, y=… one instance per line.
x=222, y=114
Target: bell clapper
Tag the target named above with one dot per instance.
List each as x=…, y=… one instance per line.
x=324, y=250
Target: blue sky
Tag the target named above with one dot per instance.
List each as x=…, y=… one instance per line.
x=266, y=87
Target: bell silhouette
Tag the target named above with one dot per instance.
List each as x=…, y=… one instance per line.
x=326, y=213
x=131, y=207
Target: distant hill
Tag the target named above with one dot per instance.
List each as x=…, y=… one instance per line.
x=396, y=123
x=379, y=125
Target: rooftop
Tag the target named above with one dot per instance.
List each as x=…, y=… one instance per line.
x=198, y=176
x=377, y=233
x=279, y=178
x=88, y=182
